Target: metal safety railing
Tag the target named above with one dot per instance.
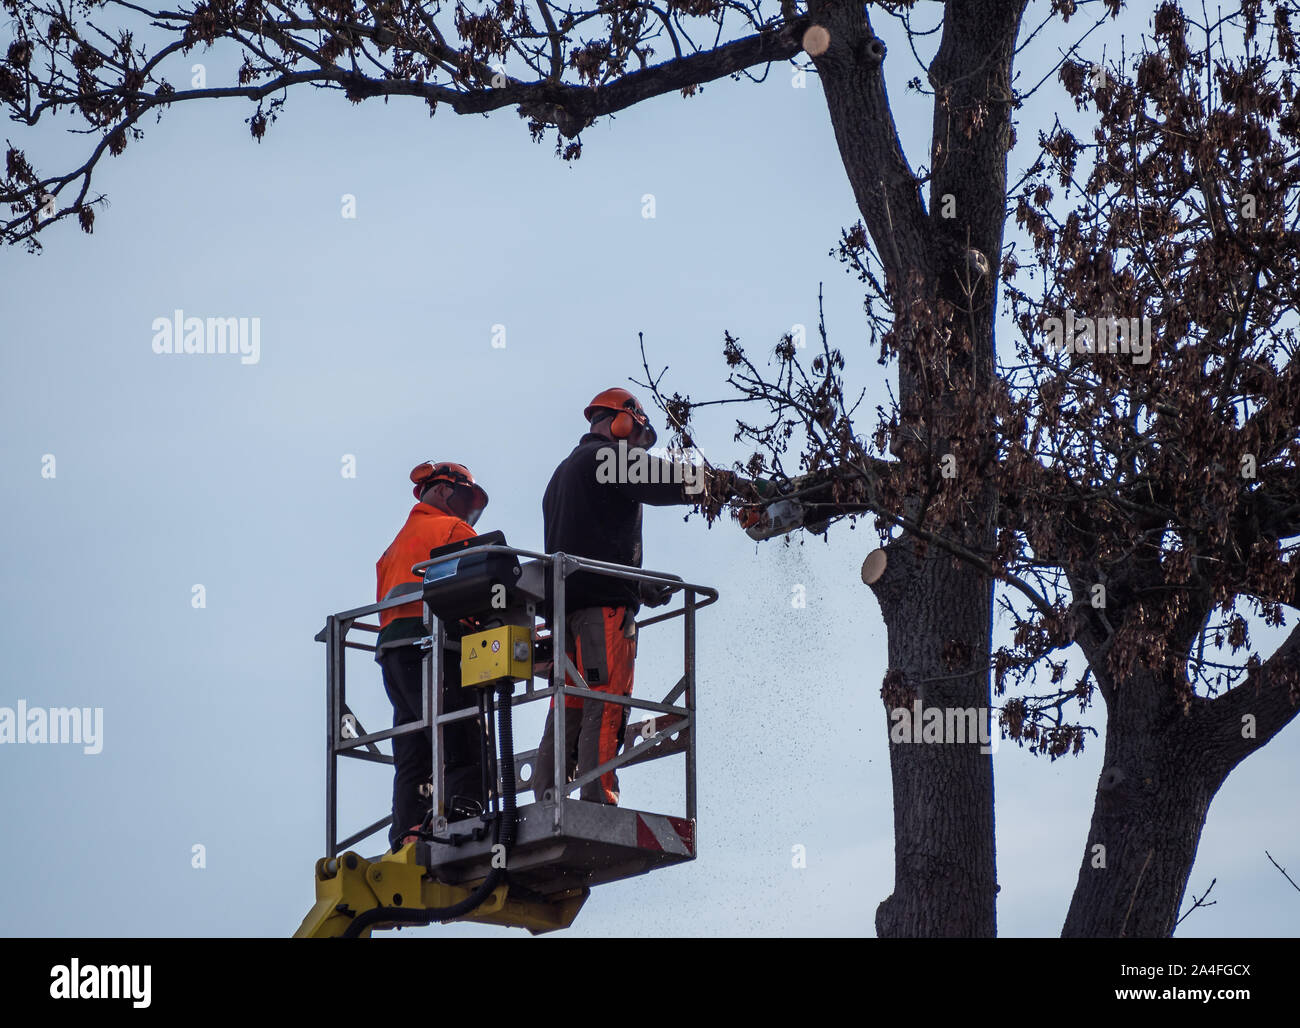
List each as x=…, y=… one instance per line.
x=671, y=731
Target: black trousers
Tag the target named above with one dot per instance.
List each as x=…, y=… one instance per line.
x=463, y=741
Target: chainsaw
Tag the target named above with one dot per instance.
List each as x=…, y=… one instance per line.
x=785, y=505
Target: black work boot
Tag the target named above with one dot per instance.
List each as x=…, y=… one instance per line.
x=462, y=808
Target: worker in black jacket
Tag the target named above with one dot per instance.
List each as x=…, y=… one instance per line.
x=592, y=508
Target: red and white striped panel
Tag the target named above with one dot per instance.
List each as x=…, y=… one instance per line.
x=666, y=835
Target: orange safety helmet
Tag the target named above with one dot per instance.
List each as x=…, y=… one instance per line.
x=428, y=473
x=628, y=413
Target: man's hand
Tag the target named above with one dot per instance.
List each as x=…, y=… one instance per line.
x=726, y=484
x=756, y=494
x=653, y=594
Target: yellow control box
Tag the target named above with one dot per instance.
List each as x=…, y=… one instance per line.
x=499, y=654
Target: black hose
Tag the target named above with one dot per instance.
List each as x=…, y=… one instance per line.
x=484, y=723
x=503, y=834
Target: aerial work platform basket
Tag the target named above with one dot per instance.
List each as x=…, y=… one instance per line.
x=561, y=845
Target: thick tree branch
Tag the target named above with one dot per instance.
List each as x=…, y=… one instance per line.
x=1239, y=722
x=886, y=190
x=569, y=107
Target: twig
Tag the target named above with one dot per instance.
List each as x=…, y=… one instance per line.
x=1282, y=869
x=1199, y=903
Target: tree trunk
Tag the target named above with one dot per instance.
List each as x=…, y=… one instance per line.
x=1152, y=798
x=945, y=872
x=944, y=866
x=1153, y=794
x=1163, y=766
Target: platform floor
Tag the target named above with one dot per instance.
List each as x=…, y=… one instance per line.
x=592, y=844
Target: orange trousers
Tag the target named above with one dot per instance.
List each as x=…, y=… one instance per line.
x=601, y=642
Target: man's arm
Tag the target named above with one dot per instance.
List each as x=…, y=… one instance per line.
x=663, y=483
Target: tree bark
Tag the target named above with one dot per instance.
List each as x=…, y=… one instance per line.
x=944, y=855
x=1152, y=797
x=1163, y=767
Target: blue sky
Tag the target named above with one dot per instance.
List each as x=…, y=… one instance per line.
x=376, y=342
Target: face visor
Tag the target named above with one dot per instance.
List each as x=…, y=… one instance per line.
x=644, y=435
x=467, y=503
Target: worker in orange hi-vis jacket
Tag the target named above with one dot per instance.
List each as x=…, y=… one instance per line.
x=450, y=502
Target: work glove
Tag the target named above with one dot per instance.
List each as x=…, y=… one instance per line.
x=724, y=484
x=757, y=493
x=653, y=594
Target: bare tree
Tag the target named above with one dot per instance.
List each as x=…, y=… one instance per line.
x=1146, y=450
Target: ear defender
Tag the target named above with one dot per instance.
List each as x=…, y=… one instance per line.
x=420, y=475
x=622, y=426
